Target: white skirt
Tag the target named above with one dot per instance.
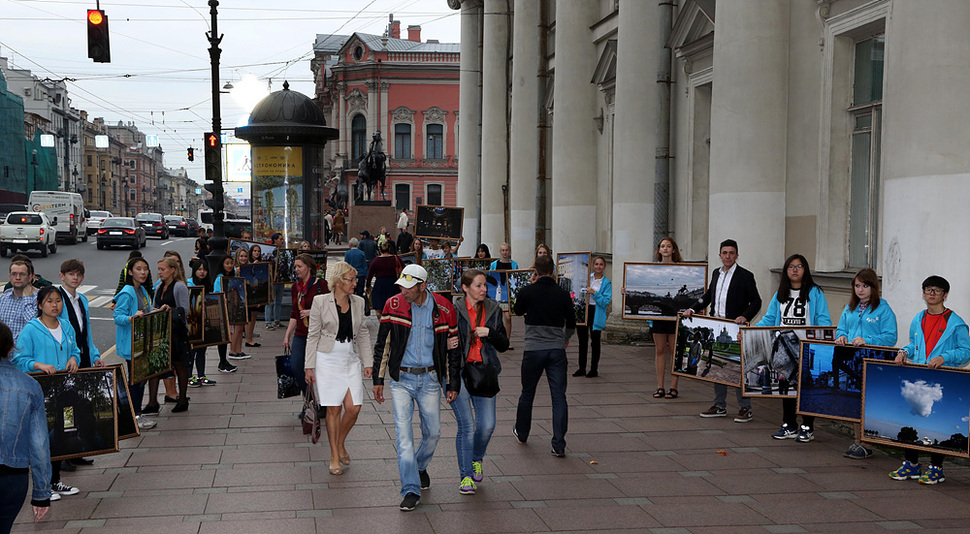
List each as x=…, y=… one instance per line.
x=338, y=371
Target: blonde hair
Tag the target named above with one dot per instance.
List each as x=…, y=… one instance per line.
x=339, y=269
x=175, y=265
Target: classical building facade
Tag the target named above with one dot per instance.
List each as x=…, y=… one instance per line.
x=831, y=128
x=408, y=91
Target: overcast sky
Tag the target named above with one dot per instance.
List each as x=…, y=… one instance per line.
x=159, y=71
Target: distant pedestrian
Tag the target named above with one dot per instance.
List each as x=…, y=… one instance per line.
x=275, y=308
x=202, y=244
x=402, y=222
x=18, y=305
x=504, y=263
x=404, y=241
x=306, y=287
x=338, y=227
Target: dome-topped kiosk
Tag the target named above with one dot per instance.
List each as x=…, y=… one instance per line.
x=287, y=133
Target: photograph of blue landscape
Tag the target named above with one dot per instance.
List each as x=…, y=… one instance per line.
x=659, y=291
x=916, y=407
x=830, y=383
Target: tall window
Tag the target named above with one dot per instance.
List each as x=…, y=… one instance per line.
x=358, y=137
x=402, y=141
x=434, y=194
x=435, y=142
x=866, y=112
x=402, y=196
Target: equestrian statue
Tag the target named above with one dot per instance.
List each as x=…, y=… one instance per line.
x=371, y=170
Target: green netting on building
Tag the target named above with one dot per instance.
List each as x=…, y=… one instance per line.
x=13, y=166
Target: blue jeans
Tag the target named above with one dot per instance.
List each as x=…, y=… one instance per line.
x=426, y=391
x=553, y=362
x=298, y=360
x=13, y=493
x=474, y=429
x=273, y=311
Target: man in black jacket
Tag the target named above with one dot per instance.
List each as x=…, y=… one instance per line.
x=550, y=321
x=732, y=294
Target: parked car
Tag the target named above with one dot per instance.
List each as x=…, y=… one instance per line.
x=178, y=225
x=28, y=230
x=154, y=224
x=123, y=231
x=97, y=217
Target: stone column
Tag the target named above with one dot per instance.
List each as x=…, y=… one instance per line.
x=749, y=120
x=524, y=138
x=495, y=136
x=574, y=135
x=373, y=94
x=470, y=111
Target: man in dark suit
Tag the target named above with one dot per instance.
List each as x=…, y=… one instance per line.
x=732, y=294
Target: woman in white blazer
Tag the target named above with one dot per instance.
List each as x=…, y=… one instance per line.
x=337, y=344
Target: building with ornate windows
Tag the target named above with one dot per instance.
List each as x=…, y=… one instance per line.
x=408, y=91
x=836, y=129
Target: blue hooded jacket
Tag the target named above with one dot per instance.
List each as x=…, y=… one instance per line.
x=126, y=307
x=816, y=304
x=953, y=345
x=875, y=325
x=602, y=299
x=36, y=344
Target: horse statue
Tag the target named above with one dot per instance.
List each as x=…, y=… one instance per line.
x=340, y=197
x=372, y=170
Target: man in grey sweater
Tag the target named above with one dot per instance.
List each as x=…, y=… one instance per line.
x=550, y=321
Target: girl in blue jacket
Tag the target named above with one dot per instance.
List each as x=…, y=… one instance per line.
x=798, y=302
x=132, y=301
x=867, y=320
x=227, y=268
x=602, y=291
x=505, y=262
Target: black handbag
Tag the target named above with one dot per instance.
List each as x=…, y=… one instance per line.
x=286, y=385
x=311, y=417
x=481, y=379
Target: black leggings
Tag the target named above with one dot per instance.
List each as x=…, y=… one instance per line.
x=789, y=416
x=912, y=456
x=585, y=333
x=197, y=358
x=222, y=354
x=13, y=493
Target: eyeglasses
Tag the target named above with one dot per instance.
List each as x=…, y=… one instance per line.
x=349, y=280
x=933, y=291
x=410, y=278
x=19, y=275
x=796, y=267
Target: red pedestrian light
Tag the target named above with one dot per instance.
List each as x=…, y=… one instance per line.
x=95, y=16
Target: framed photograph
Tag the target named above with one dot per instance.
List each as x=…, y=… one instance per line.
x=915, y=407
x=151, y=348
x=267, y=252
x=463, y=264
x=234, y=288
x=127, y=423
x=81, y=412
x=319, y=256
x=515, y=280
x=438, y=222
x=215, y=321
x=498, y=287
x=194, y=317
x=258, y=276
x=284, y=266
x=572, y=272
x=830, y=381
x=658, y=291
x=408, y=259
x=440, y=273
x=770, y=358
x=708, y=349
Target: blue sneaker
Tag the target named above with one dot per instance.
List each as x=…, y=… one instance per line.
x=906, y=471
x=785, y=433
x=478, y=474
x=932, y=475
x=805, y=434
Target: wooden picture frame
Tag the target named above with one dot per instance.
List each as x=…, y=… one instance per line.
x=127, y=420
x=771, y=353
x=463, y=264
x=196, y=309
x=267, y=252
x=658, y=291
x=913, y=400
x=572, y=273
x=215, y=321
x=830, y=380
x=82, y=411
x=517, y=279
x=235, y=290
x=258, y=283
x=440, y=274
x=438, y=222
x=151, y=345
x=708, y=349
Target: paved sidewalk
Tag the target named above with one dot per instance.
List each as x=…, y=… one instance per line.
x=237, y=463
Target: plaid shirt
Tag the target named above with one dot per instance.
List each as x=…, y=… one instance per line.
x=17, y=312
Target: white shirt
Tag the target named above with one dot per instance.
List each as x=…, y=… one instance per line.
x=721, y=291
x=402, y=221
x=594, y=287
x=57, y=332
x=76, y=303
x=794, y=311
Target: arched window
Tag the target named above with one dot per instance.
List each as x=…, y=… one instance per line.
x=358, y=137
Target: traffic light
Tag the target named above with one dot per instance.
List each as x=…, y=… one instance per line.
x=191, y=154
x=217, y=203
x=98, y=47
x=213, y=157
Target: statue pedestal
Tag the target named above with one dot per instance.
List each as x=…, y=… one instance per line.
x=371, y=216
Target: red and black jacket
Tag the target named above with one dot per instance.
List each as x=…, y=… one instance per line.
x=392, y=339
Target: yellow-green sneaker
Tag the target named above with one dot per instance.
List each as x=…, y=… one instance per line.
x=466, y=486
x=477, y=473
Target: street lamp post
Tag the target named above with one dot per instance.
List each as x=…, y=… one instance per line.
x=124, y=182
x=218, y=243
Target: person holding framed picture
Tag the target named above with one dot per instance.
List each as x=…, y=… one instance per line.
x=172, y=293
x=599, y=301
x=664, y=332
x=227, y=267
x=303, y=292
x=503, y=263
x=937, y=337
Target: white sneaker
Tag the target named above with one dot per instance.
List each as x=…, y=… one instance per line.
x=145, y=424
x=55, y=496
x=63, y=489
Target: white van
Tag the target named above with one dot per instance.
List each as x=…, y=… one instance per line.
x=72, y=222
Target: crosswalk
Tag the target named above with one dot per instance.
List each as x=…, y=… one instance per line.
x=97, y=298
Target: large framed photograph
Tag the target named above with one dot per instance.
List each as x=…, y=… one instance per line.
x=572, y=272
x=515, y=281
x=215, y=321
x=151, y=347
x=497, y=283
x=267, y=252
x=440, y=273
x=127, y=422
x=258, y=276
x=438, y=222
x=708, y=349
x=830, y=381
x=81, y=412
x=658, y=291
x=463, y=264
x=234, y=288
x=286, y=274
x=409, y=259
x=770, y=358
x=194, y=317
x=915, y=407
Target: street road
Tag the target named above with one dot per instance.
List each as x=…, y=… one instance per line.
x=102, y=269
